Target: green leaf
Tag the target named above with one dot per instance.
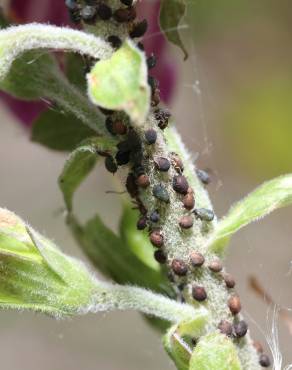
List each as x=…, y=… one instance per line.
x=268, y=197
x=78, y=166
x=35, y=275
x=171, y=13
x=213, y=352
x=75, y=70
x=120, y=83
x=59, y=131
x=137, y=240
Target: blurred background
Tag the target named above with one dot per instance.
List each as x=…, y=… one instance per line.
x=232, y=104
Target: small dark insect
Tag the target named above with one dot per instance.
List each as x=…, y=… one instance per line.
x=153, y=83
x=215, y=265
x=179, y=267
x=197, y=259
x=186, y=222
x=141, y=46
x=122, y=158
x=229, y=280
x=204, y=214
x=88, y=14
x=161, y=193
x=143, y=181
x=151, y=61
x=203, y=176
x=162, y=117
x=189, y=201
x=127, y=2
x=139, y=29
x=154, y=216
x=155, y=99
x=142, y=223
x=240, y=329
x=150, y=136
x=110, y=164
x=131, y=185
x=156, y=238
x=199, y=293
x=160, y=256
x=225, y=327
x=115, y=41
x=180, y=184
x=119, y=127
x=162, y=164
x=234, y=304
x=123, y=15
x=264, y=360
x=177, y=162
x=104, y=11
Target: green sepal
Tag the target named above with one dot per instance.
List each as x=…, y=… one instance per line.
x=120, y=83
x=59, y=130
x=213, y=352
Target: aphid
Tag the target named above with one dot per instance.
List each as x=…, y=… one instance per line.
x=161, y=193
x=119, y=127
x=115, y=41
x=88, y=14
x=151, y=61
x=162, y=164
x=142, y=223
x=197, y=259
x=110, y=164
x=186, y=222
x=215, y=265
x=234, y=304
x=123, y=15
x=229, y=280
x=104, y=11
x=189, y=201
x=154, y=216
x=204, y=214
x=240, y=329
x=180, y=184
x=203, y=176
x=225, y=327
x=127, y=2
x=141, y=46
x=131, y=185
x=177, y=162
x=122, y=158
x=162, y=117
x=143, y=181
x=155, y=98
x=199, y=293
x=139, y=29
x=153, y=83
x=160, y=256
x=264, y=360
x=179, y=267
x=150, y=136
x=156, y=238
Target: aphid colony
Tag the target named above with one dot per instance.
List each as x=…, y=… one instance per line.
x=130, y=152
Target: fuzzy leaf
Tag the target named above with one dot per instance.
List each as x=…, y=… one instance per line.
x=171, y=13
x=78, y=166
x=213, y=352
x=266, y=198
x=59, y=131
x=120, y=83
x=35, y=275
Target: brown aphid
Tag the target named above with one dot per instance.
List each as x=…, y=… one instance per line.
x=186, y=222
x=240, y=329
x=155, y=99
x=180, y=184
x=123, y=15
x=143, y=181
x=197, y=259
x=119, y=128
x=160, y=256
x=139, y=29
x=264, y=360
x=229, y=280
x=177, y=162
x=162, y=164
x=131, y=185
x=215, y=265
x=156, y=238
x=258, y=346
x=199, y=293
x=234, y=304
x=142, y=223
x=225, y=327
x=189, y=201
x=179, y=267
